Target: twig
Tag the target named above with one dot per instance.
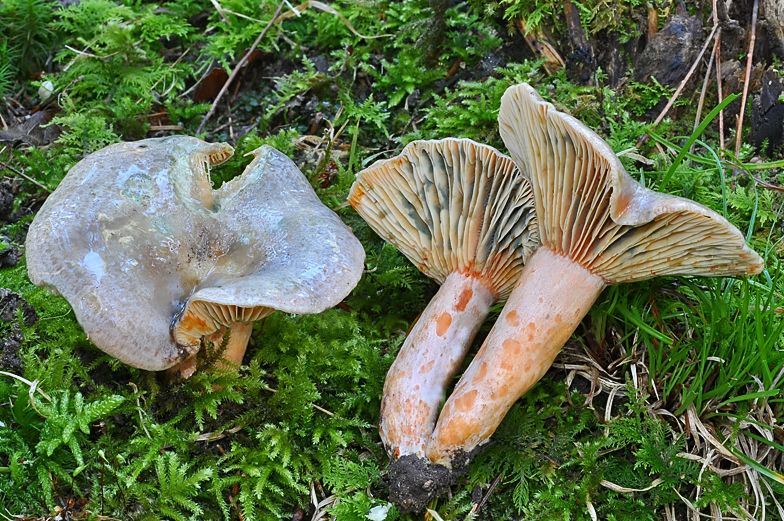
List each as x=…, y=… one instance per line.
x=155, y=128
x=218, y=129
x=220, y=11
x=718, y=78
x=77, y=55
x=246, y=17
x=764, y=184
x=707, y=74
x=678, y=91
x=237, y=69
x=90, y=55
x=22, y=175
x=490, y=491
x=748, y=76
x=705, y=85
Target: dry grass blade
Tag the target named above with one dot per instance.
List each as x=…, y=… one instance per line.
x=696, y=424
x=618, y=488
x=220, y=11
x=215, y=436
x=706, y=461
x=33, y=385
x=703, y=445
x=327, y=9
x=434, y=515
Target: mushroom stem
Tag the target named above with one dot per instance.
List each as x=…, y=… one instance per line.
x=550, y=299
x=234, y=352
x=238, y=343
x=430, y=356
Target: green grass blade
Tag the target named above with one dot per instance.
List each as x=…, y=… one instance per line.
x=696, y=134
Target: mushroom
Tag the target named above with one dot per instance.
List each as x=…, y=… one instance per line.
x=152, y=258
x=463, y=214
x=598, y=226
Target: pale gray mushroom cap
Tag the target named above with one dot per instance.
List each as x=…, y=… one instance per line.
x=592, y=211
x=452, y=205
x=151, y=257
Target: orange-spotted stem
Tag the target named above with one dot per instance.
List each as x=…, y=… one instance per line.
x=430, y=356
x=550, y=299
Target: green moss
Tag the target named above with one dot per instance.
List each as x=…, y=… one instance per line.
x=300, y=417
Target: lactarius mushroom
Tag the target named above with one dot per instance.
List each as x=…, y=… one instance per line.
x=598, y=226
x=463, y=214
x=152, y=258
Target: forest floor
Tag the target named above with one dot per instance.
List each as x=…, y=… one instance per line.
x=667, y=401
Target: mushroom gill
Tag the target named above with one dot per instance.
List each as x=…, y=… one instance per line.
x=463, y=214
x=598, y=226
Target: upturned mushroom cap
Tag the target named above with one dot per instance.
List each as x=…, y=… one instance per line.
x=452, y=205
x=152, y=258
x=592, y=211
x=598, y=226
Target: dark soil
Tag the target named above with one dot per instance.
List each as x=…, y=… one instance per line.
x=10, y=303
x=414, y=482
x=767, y=114
x=9, y=347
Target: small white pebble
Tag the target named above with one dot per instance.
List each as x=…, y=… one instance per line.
x=46, y=90
x=378, y=513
